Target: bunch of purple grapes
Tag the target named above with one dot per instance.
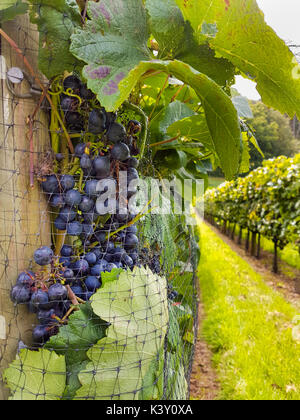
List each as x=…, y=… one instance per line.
x=102, y=240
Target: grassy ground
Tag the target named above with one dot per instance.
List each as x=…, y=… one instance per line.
x=248, y=326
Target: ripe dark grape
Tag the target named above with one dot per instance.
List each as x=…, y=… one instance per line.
x=57, y=200
x=131, y=241
x=40, y=299
x=97, y=121
x=120, y=152
x=20, y=294
x=116, y=133
x=26, y=278
x=132, y=162
x=74, y=119
x=69, y=274
x=67, y=182
x=91, y=258
x=74, y=229
x=45, y=316
x=66, y=251
x=66, y=103
x=92, y=283
x=101, y=166
x=60, y=224
x=90, y=187
x=80, y=150
x=85, y=162
x=57, y=292
x=86, y=204
x=99, y=268
x=86, y=93
x=40, y=335
x=81, y=267
x=65, y=261
x=78, y=291
x=43, y=256
x=73, y=198
x=72, y=82
x=51, y=184
x=67, y=214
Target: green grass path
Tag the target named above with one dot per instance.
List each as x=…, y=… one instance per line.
x=249, y=327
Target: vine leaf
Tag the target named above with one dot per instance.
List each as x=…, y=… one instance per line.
x=36, y=375
x=112, y=43
x=245, y=40
x=136, y=307
x=56, y=20
x=11, y=8
x=221, y=116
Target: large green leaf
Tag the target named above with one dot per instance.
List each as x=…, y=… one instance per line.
x=243, y=37
x=176, y=41
x=221, y=115
x=56, y=20
x=9, y=9
x=167, y=26
x=36, y=375
x=136, y=307
x=112, y=43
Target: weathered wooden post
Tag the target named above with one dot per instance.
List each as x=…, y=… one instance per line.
x=24, y=222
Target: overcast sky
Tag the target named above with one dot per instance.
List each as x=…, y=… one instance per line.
x=284, y=17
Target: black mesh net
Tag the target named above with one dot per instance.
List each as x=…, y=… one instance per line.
x=93, y=305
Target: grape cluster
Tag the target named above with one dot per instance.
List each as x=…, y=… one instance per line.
x=101, y=240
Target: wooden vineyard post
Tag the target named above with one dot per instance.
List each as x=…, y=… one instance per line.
x=23, y=210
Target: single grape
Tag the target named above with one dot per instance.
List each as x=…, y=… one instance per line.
x=97, y=121
x=67, y=182
x=132, y=162
x=57, y=292
x=43, y=256
x=51, y=184
x=86, y=204
x=74, y=229
x=45, y=316
x=40, y=335
x=127, y=260
x=67, y=214
x=60, y=224
x=66, y=103
x=110, y=267
x=92, y=283
x=116, y=133
x=69, y=274
x=57, y=200
x=78, y=291
x=66, y=251
x=120, y=152
x=20, y=294
x=73, y=198
x=131, y=241
x=101, y=166
x=91, y=258
x=72, y=82
x=80, y=150
x=26, y=278
x=81, y=267
x=65, y=261
x=99, y=268
x=40, y=299
x=86, y=93
x=90, y=187
x=85, y=162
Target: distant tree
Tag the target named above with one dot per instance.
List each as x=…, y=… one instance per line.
x=273, y=132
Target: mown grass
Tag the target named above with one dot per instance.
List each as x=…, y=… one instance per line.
x=248, y=326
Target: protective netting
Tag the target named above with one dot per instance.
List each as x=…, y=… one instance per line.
x=93, y=305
